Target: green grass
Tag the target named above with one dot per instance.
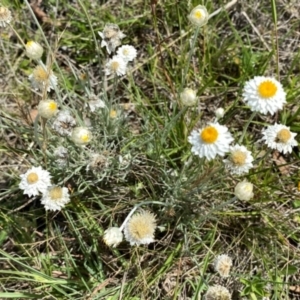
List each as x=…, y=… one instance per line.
x=145, y=155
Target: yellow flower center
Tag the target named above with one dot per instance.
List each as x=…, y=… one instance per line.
x=125, y=52
x=267, y=89
x=56, y=193
x=40, y=74
x=113, y=113
x=209, y=135
x=4, y=13
x=283, y=135
x=238, y=157
x=85, y=137
x=114, y=66
x=198, y=14
x=140, y=228
x=32, y=178
x=29, y=43
x=52, y=105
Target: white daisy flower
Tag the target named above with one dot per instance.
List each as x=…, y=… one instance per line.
x=55, y=198
x=222, y=265
x=188, y=97
x=279, y=137
x=127, y=53
x=140, y=228
x=47, y=108
x=244, y=190
x=264, y=95
x=199, y=16
x=43, y=79
x=34, y=50
x=239, y=160
x=35, y=181
x=217, y=292
x=81, y=136
x=210, y=141
x=5, y=16
x=64, y=123
x=113, y=236
x=116, y=66
x=111, y=37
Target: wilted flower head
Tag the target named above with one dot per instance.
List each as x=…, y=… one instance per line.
x=61, y=153
x=140, y=228
x=5, y=16
x=34, y=50
x=222, y=265
x=199, y=16
x=127, y=53
x=43, y=79
x=239, y=160
x=279, y=137
x=97, y=162
x=81, y=136
x=217, y=292
x=94, y=103
x=219, y=112
x=116, y=66
x=35, y=181
x=55, y=198
x=64, y=123
x=111, y=37
x=47, y=108
x=210, y=141
x=113, y=236
x=244, y=190
x=188, y=97
x=264, y=95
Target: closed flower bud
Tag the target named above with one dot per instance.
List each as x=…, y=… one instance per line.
x=198, y=16
x=81, y=136
x=113, y=236
x=47, y=108
x=34, y=50
x=188, y=97
x=244, y=190
x=219, y=112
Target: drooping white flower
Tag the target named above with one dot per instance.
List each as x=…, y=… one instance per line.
x=81, y=136
x=127, y=53
x=5, y=16
x=188, y=97
x=111, y=37
x=199, y=16
x=61, y=154
x=43, y=79
x=113, y=236
x=64, y=123
x=244, y=190
x=210, y=141
x=279, y=137
x=47, y=108
x=34, y=50
x=264, y=95
x=222, y=265
x=140, y=228
x=217, y=292
x=239, y=160
x=55, y=198
x=35, y=181
x=116, y=66
x=95, y=103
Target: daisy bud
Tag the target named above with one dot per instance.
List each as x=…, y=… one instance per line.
x=81, y=136
x=244, y=190
x=5, y=16
x=217, y=292
x=219, y=112
x=113, y=236
x=47, y=108
x=188, y=97
x=34, y=50
x=198, y=16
